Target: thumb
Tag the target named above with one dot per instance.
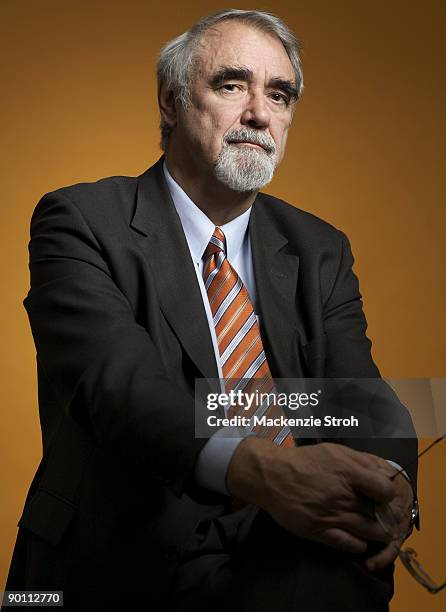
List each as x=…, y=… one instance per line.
x=343, y=541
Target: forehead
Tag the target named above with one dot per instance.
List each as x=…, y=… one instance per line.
x=232, y=43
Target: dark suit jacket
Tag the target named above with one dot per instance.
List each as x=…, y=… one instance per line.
x=121, y=334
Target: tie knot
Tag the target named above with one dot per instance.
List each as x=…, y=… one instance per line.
x=217, y=243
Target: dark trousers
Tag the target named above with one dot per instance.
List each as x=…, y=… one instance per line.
x=241, y=562
x=245, y=562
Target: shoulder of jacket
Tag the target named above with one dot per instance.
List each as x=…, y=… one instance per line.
x=96, y=199
x=296, y=220
x=102, y=188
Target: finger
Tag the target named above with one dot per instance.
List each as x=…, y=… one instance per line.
x=362, y=527
x=384, y=557
x=358, y=503
x=366, y=460
x=343, y=541
x=396, y=514
x=373, y=462
x=374, y=484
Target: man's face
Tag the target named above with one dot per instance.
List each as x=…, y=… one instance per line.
x=243, y=94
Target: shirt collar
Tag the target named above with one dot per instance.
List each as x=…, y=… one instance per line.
x=197, y=226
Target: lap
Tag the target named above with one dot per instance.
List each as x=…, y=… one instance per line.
x=247, y=563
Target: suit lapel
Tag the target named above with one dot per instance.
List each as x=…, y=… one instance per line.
x=166, y=250
x=276, y=272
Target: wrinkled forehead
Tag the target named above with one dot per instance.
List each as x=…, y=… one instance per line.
x=234, y=43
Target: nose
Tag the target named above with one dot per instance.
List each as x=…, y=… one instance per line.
x=255, y=112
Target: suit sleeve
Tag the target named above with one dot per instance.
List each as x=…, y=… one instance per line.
x=102, y=364
x=348, y=348
x=348, y=354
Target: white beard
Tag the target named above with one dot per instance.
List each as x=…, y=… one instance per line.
x=244, y=168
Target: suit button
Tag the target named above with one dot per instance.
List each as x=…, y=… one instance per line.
x=171, y=553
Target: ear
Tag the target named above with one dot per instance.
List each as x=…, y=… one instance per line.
x=166, y=103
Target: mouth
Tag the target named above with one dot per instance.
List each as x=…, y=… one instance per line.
x=248, y=143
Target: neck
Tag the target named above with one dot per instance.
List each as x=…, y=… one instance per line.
x=219, y=203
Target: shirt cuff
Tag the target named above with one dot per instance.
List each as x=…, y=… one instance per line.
x=213, y=461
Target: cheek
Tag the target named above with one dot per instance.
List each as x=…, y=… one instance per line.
x=214, y=124
x=208, y=124
x=281, y=139
x=222, y=119
x=284, y=140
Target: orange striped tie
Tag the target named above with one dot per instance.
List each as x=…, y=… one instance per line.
x=243, y=360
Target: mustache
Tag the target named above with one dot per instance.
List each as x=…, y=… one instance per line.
x=262, y=139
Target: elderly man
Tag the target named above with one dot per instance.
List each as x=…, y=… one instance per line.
x=140, y=286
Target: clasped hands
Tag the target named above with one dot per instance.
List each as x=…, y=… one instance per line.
x=325, y=492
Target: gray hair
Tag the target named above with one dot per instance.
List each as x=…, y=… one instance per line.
x=176, y=59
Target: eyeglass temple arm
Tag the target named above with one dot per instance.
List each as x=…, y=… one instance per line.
x=408, y=556
x=418, y=456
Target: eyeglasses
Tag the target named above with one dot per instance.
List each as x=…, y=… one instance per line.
x=408, y=556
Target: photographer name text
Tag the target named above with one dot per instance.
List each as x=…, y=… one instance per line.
x=281, y=421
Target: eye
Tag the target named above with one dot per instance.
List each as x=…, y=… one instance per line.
x=230, y=87
x=279, y=98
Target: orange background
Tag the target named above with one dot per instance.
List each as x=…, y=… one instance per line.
x=79, y=103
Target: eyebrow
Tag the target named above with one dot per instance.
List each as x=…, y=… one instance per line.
x=229, y=73
x=241, y=73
